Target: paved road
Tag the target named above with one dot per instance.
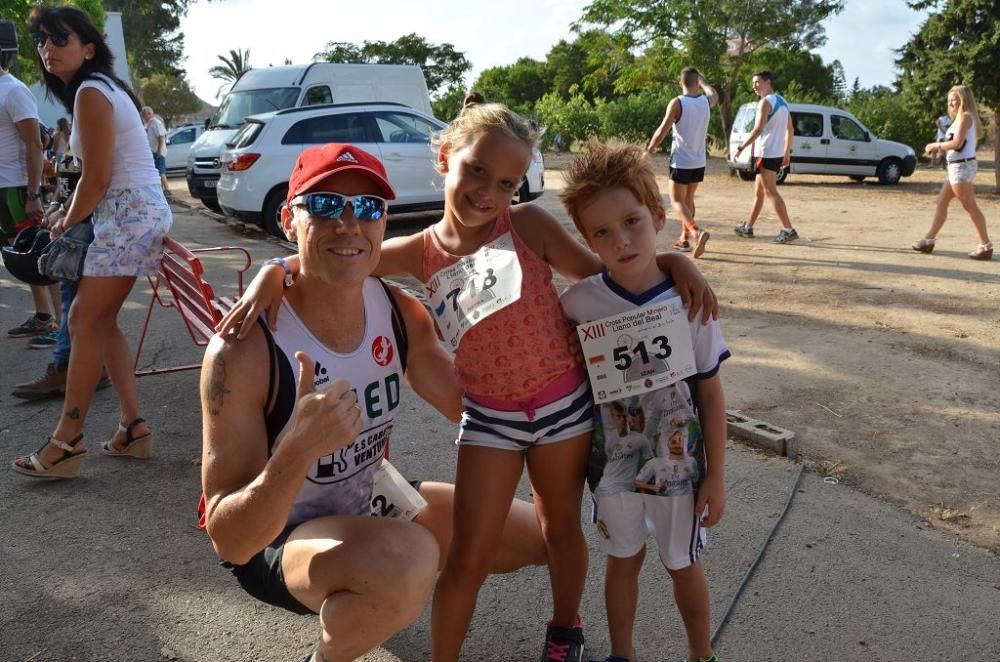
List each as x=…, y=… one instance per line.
x=111, y=566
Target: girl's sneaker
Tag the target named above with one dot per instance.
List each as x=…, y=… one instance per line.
x=682, y=245
x=564, y=644
x=744, y=230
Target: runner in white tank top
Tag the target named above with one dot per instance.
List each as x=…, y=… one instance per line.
x=772, y=136
x=687, y=116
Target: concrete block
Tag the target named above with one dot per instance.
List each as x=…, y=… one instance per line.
x=761, y=433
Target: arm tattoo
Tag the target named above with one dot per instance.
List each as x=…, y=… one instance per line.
x=216, y=392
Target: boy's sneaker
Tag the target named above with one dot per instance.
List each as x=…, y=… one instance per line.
x=564, y=644
x=699, y=245
x=786, y=235
x=47, y=340
x=682, y=245
x=744, y=230
x=33, y=326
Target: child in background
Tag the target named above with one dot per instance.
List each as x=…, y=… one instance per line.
x=487, y=268
x=611, y=194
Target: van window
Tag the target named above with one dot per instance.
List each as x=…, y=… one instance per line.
x=317, y=95
x=846, y=129
x=339, y=128
x=808, y=125
x=745, y=119
x=238, y=105
x=404, y=128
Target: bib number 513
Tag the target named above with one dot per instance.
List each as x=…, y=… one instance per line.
x=623, y=354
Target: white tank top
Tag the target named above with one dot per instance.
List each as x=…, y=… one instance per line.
x=132, y=162
x=341, y=483
x=688, y=149
x=771, y=141
x=966, y=150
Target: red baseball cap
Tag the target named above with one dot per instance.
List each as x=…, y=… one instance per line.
x=317, y=163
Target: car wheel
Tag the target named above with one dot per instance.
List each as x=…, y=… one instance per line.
x=746, y=175
x=523, y=194
x=858, y=178
x=781, y=176
x=272, y=212
x=890, y=171
x=213, y=204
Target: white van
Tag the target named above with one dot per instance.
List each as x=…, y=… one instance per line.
x=827, y=141
x=276, y=88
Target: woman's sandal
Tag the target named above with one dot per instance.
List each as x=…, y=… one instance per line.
x=925, y=245
x=983, y=252
x=68, y=466
x=137, y=447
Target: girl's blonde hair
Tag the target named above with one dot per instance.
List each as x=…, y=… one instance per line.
x=477, y=119
x=967, y=104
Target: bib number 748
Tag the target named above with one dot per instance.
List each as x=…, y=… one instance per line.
x=623, y=354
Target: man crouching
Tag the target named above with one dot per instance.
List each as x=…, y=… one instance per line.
x=288, y=465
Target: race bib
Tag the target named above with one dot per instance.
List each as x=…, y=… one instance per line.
x=392, y=496
x=475, y=287
x=638, y=351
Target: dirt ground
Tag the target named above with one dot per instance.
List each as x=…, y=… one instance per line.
x=884, y=361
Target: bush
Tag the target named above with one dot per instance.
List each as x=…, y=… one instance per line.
x=632, y=118
x=575, y=119
x=886, y=114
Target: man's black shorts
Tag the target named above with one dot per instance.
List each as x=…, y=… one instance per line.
x=263, y=578
x=687, y=175
x=773, y=165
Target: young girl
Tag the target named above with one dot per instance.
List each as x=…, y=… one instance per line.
x=487, y=270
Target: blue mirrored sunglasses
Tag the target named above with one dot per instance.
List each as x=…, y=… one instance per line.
x=332, y=205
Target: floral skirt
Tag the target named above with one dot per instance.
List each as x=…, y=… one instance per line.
x=129, y=227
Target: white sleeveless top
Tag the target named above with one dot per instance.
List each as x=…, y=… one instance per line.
x=771, y=141
x=968, y=149
x=132, y=163
x=688, y=149
x=341, y=483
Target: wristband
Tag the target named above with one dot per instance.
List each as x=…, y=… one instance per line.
x=284, y=265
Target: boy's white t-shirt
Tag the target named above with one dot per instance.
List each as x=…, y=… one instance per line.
x=664, y=410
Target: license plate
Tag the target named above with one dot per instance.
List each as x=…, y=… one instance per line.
x=210, y=183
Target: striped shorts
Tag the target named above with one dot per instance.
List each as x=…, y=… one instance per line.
x=562, y=410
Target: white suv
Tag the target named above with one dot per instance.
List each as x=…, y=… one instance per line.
x=256, y=164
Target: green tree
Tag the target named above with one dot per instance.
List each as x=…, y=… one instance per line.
x=152, y=34
x=170, y=96
x=576, y=119
x=518, y=84
x=958, y=43
x=448, y=105
x=443, y=66
x=237, y=64
x=717, y=36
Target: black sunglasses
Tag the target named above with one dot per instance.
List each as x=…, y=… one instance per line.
x=58, y=39
x=332, y=205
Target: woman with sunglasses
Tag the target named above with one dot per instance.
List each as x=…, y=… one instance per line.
x=119, y=190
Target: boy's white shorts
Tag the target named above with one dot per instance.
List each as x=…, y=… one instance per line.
x=625, y=520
